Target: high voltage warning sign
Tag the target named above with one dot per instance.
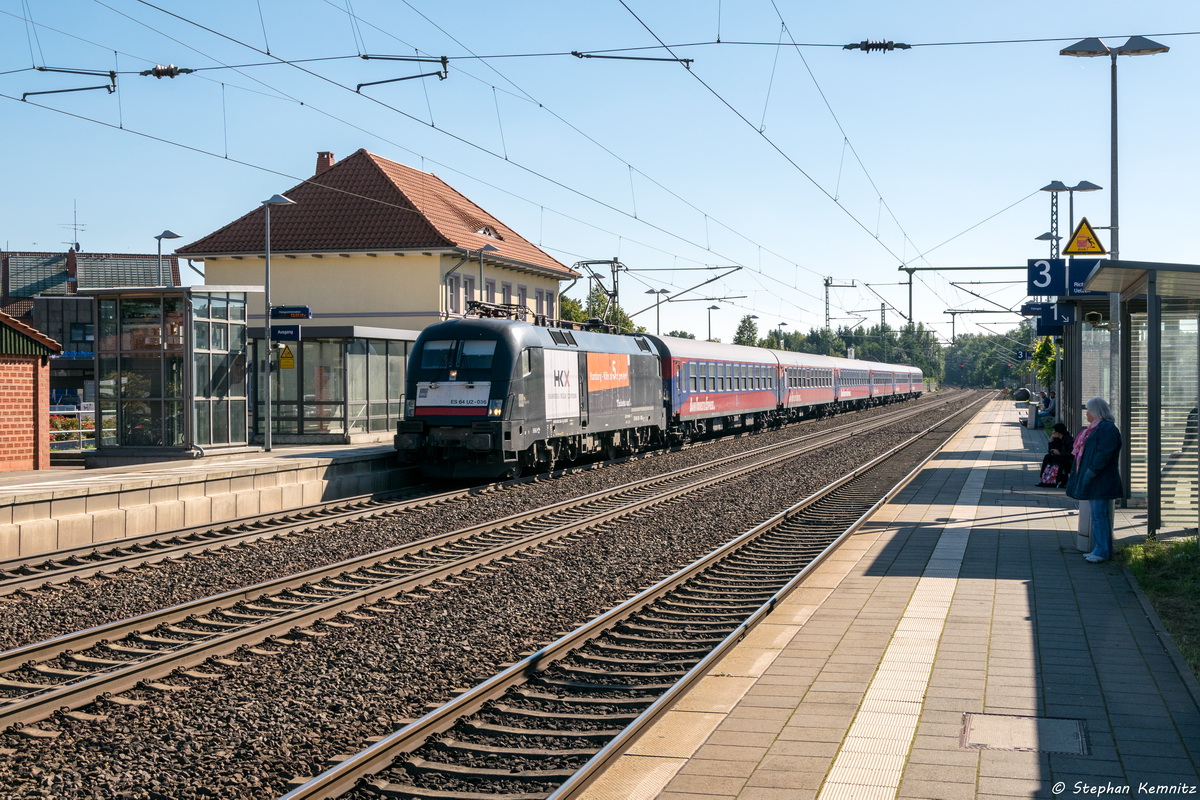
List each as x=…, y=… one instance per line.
x=286, y=359
x=1084, y=242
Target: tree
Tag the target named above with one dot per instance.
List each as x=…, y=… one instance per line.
x=681, y=334
x=571, y=309
x=747, y=332
x=599, y=307
x=1043, y=362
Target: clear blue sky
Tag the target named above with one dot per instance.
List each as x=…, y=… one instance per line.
x=796, y=162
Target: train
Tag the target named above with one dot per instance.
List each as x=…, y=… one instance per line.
x=490, y=397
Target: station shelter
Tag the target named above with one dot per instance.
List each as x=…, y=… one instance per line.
x=1158, y=372
x=171, y=370
x=24, y=395
x=341, y=384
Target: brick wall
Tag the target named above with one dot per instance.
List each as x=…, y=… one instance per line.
x=24, y=413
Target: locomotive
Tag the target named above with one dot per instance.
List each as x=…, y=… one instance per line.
x=489, y=397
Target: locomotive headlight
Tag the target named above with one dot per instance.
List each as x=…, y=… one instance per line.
x=410, y=408
x=495, y=408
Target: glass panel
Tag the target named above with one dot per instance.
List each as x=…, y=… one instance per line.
x=201, y=335
x=237, y=422
x=141, y=423
x=323, y=418
x=237, y=337
x=220, y=337
x=173, y=423
x=285, y=385
x=377, y=370
x=220, y=422
x=173, y=323
x=200, y=305
x=237, y=305
x=141, y=324
x=108, y=422
x=108, y=326
x=173, y=370
x=220, y=376
x=107, y=385
x=358, y=417
x=322, y=371
x=1180, y=412
x=477, y=355
x=202, y=380
x=356, y=369
x=218, y=306
x=203, y=420
x=396, y=370
x=434, y=355
x=237, y=375
x=141, y=377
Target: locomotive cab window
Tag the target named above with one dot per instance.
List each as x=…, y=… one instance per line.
x=466, y=355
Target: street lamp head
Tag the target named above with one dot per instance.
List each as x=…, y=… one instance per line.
x=1140, y=46
x=714, y=308
x=168, y=235
x=1086, y=186
x=278, y=200
x=1047, y=237
x=1054, y=186
x=1087, y=48
x=488, y=248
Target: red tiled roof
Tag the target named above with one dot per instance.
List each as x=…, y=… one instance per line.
x=30, y=333
x=364, y=203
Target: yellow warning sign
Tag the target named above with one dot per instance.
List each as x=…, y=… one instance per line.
x=1084, y=242
x=286, y=359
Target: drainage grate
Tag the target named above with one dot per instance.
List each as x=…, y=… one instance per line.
x=1032, y=734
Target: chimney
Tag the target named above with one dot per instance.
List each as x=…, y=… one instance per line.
x=72, y=268
x=324, y=161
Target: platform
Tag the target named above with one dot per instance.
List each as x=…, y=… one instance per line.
x=46, y=510
x=959, y=646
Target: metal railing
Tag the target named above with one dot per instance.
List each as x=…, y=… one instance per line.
x=72, y=429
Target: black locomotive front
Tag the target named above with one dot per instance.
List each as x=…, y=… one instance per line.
x=490, y=397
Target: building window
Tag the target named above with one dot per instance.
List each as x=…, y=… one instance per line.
x=539, y=298
x=452, y=300
x=83, y=332
x=506, y=293
x=522, y=296
x=550, y=304
x=469, y=289
x=489, y=290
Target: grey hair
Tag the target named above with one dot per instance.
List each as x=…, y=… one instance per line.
x=1100, y=409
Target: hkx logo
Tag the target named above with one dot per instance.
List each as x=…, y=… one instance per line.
x=562, y=378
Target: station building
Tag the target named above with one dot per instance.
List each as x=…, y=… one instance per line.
x=377, y=250
x=24, y=395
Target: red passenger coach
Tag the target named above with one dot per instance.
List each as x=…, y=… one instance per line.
x=808, y=380
x=711, y=386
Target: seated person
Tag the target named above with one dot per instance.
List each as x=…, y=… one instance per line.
x=1057, y=463
x=1048, y=411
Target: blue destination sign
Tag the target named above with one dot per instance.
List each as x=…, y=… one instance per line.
x=1078, y=270
x=1033, y=309
x=285, y=333
x=291, y=312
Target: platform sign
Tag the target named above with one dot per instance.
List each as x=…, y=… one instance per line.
x=1020, y=354
x=1047, y=276
x=291, y=312
x=1033, y=309
x=287, y=360
x=1084, y=241
x=285, y=333
x=1058, y=314
x=1078, y=270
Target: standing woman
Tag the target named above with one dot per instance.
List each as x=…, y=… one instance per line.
x=1096, y=478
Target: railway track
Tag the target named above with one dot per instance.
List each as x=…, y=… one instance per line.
x=72, y=670
x=546, y=726
x=84, y=561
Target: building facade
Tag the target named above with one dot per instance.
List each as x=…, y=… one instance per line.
x=24, y=395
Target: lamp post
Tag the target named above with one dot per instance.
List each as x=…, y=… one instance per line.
x=275, y=200
x=779, y=330
x=1090, y=48
x=1054, y=188
x=658, y=295
x=710, y=310
x=160, y=237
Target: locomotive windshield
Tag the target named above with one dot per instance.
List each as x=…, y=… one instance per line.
x=473, y=356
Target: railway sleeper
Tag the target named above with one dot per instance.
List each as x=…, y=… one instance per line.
x=417, y=765
x=525, y=693
x=643, y=691
x=388, y=789
x=492, y=729
x=672, y=629
x=533, y=713
x=625, y=661
x=727, y=606
x=95, y=661
x=449, y=744
x=58, y=672
x=632, y=637
x=680, y=652
x=588, y=672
